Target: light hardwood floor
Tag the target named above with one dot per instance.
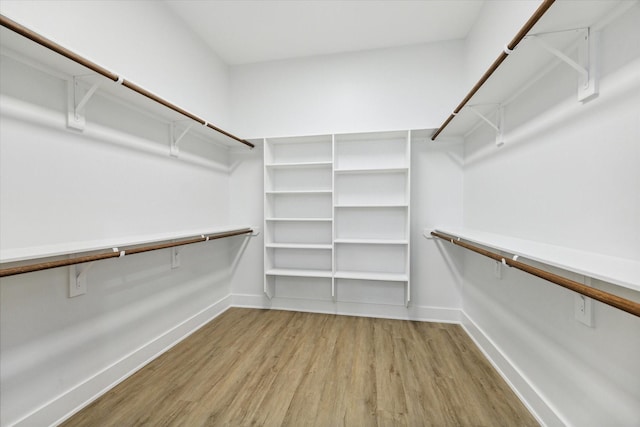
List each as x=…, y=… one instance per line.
x=273, y=368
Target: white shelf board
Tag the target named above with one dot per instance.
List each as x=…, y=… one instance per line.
x=299, y=245
x=300, y=219
x=372, y=241
x=367, y=275
x=370, y=136
x=26, y=51
x=527, y=61
x=309, y=139
x=618, y=271
x=67, y=248
x=298, y=272
x=366, y=205
x=370, y=170
x=299, y=192
x=297, y=165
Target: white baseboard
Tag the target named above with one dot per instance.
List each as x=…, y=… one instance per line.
x=250, y=301
x=419, y=313
x=541, y=409
x=57, y=410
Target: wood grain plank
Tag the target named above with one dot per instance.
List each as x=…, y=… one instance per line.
x=279, y=368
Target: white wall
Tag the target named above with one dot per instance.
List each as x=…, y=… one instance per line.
x=568, y=175
x=436, y=200
x=113, y=181
x=246, y=206
x=497, y=24
x=389, y=89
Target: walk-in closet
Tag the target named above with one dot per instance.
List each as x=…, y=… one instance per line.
x=320, y=213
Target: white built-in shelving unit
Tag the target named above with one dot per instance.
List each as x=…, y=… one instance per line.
x=371, y=208
x=298, y=209
x=337, y=208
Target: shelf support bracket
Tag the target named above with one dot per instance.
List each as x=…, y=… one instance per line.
x=78, y=280
x=498, y=127
x=585, y=66
x=175, y=138
x=75, y=113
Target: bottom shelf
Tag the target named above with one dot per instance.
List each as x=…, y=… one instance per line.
x=366, y=275
x=298, y=272
x=362, y=288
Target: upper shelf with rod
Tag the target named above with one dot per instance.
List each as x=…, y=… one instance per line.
x=621, y=272
x=49, y=257
x=554, y=29
x=18, y=40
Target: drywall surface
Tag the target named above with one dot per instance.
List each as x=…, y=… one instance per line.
x=246, y=205
x=113, y=181
x=436, y=200
x=143, y=41
x=567, y=175
x=497, y=24
x=389, y=89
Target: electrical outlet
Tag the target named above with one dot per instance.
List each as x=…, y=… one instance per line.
x=583, y=309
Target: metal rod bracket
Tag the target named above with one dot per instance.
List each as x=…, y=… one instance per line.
x=78, y=279
x=77, y=101
x=498, y=127
x=175, y=258
x=174, y=150
x=585, y=65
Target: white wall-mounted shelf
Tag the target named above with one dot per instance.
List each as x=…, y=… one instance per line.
x=299, y=219
x=366, y=170
x=371, y=241
x=371, y=205
x=299, y=192
x=318, y=246
x=82, y=80
x=35, y=252
x=618, y=271
x=562, y=27
x=299, y=165
x=367, y=275
x=293, y=272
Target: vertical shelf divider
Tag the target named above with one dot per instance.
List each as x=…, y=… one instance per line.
x=298, y=213
x=334, y=294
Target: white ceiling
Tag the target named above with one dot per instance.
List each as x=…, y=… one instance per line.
x=249, y=31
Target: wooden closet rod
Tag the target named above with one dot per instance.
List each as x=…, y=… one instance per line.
x=546, y=4
x=121, y=252
x=43, y=41
x=623, y=304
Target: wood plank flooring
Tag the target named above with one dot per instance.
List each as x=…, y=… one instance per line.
x=279, y=368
